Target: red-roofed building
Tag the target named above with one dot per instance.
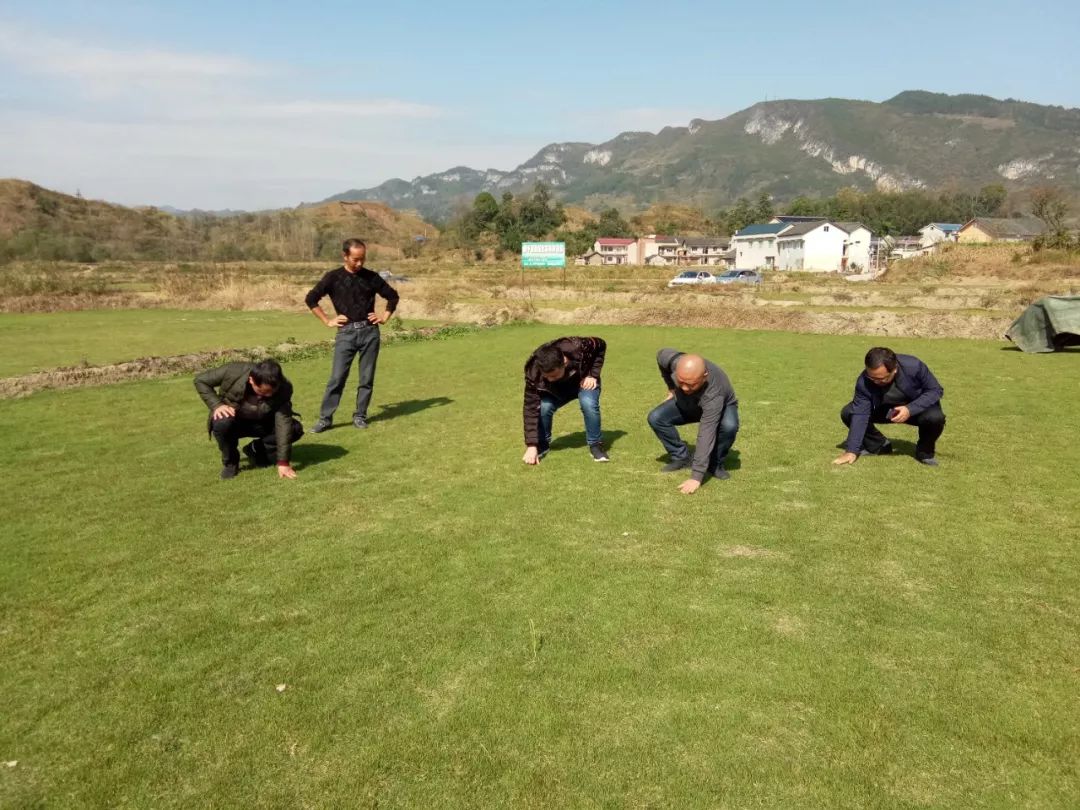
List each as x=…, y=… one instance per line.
x=617, y=251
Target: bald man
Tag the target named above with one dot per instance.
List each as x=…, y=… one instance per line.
x=698, y=391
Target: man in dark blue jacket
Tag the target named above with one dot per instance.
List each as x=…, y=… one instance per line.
x=896, y=389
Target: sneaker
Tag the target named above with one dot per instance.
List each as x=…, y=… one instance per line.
x=929, y=461
x=230, y=471
x=321, y=425
x=675, y=465
x=598, y=453
x=257, y=454
x=359, y=422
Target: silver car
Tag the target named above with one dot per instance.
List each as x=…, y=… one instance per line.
x=739, y=277
x=692, y=277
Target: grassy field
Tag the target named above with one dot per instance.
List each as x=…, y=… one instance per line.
x=454, y=629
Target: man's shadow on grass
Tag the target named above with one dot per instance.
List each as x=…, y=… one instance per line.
x=732, y=462
x=574, y=440
x=900, y=447
x=408, y=407
x=308, y=454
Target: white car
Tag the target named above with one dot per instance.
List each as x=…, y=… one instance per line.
x=692, y=277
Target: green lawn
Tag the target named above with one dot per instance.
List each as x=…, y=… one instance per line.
x=42, y=341
x=454, y=629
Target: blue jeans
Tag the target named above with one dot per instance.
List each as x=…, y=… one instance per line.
x=590, y=409
x=362, y=339
x=665, y=418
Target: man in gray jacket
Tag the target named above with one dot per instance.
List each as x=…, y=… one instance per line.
x=698, y=391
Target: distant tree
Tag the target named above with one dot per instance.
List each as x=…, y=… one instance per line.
x=763, y=211
x=1050, y=205
x=538, y=216
x=739, y=216
x=611, y=224
x=484, y=209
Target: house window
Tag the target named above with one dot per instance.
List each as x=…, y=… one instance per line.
x=826, y=229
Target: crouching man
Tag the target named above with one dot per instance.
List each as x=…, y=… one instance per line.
x=893, y=389
x=558, y=373
x=251, y=400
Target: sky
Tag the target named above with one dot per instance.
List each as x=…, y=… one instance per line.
x=268, y=104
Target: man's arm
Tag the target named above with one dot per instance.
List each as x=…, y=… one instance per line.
x=390, y=294
x=861, y=408
x=283, y=417
x=711, y=414
x=207, y=384
x=931, y=391
x=664, y=359
x=598, y=348
x=531, y=412
x=315, y=295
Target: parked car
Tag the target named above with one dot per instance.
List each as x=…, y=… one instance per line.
x=739, y=277
x=388, y=276
x=692, y=277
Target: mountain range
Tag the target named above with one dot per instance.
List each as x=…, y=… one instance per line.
x=916, y=140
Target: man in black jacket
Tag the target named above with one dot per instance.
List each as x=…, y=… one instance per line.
x=251, y=400
x=352, y=289
x=698, y=391
x=556, y=374
x=893, y=389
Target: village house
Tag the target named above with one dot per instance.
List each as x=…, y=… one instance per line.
x=930, y=235
x=755, y=245
x=617, y=251
x=702, y=250
x=825, y=246
x=1000, y=229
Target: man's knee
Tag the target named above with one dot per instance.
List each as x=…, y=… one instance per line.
x=222, y=427
x=845, y=414
x=932, y=417
x=589, y=403
x=547, y=408
x=297, y=430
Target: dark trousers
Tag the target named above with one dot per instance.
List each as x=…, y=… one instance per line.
x=665, y=418
x=931, y=424
x=228, y=432
x=351, y=340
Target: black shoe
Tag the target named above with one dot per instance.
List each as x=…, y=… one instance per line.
x=675, y=465
x=256, y=451
x=598, y=453
x=720, y=473
x=321, y=425
x=929, y=461
x=886, y=450
x=359, y=422
x=230, y=471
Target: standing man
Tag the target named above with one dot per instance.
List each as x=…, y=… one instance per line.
x=698, y=391
x=352, y=289
x=251, y=400
x=898, y=389
x=555, y=374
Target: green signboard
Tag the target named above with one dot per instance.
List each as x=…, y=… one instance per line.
x=543, y=254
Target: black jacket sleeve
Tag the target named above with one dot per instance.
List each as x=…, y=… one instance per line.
x=389, y=293
x=283, y=419
x=207, y=384
x=861, y=408
x=531, y=411
x=598, y=349
x=931, y=390
x=319, y=291
x=664, y=359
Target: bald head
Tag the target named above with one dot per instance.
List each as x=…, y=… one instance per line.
x=690, y=373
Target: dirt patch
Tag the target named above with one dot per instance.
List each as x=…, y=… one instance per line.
x=754, y=552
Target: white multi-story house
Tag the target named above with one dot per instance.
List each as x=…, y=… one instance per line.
x=755, y=245
x=825, y=247
x=702, y=250
x=657, y=249
x=617, y=251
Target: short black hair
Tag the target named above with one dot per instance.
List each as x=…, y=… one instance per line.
x=880, y=356
x=548, y=358
x=348, y=244
x=268, y=372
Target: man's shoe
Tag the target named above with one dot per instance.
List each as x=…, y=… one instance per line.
x=886, y=450
x=257, y=453
x=675, y=465
x=929, y=461
x=598, y=453
x=230, y=471
x=720, y=473
x=321, y=425
x=359, y=422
